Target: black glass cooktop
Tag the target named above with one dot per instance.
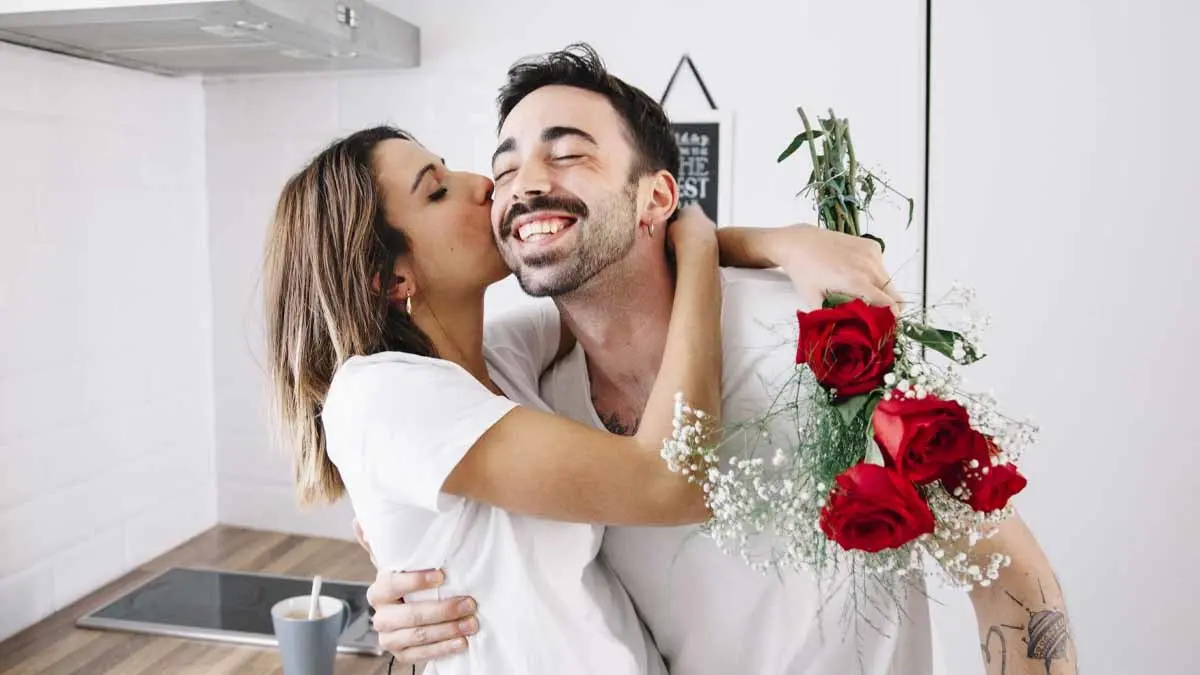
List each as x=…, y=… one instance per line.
x=226, y=606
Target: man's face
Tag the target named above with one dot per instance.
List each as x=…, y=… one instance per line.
x=565, y=206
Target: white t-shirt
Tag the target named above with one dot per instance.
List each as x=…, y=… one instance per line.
x=709, y=613
x=396, y=426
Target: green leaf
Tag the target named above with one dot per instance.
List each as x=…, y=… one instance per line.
x=942, y=341
x=797, y=142
x=852, y=407
x=833, y=299
x=874, y=454
x=858, y=407
x=868, y=188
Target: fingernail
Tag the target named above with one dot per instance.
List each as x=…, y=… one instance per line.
x=467, y=605
x=459, y=644
x=435, y=577
x=468, y=627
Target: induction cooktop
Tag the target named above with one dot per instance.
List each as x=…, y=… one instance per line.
x=227, y=607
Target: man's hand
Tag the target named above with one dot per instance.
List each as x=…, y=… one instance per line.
x=362, y=541
x=415, y=632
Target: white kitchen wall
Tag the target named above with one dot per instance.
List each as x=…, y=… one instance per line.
x=106, y=433
x=760, y=59
x=1063, y=181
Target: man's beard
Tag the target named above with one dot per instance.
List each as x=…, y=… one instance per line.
x=607, y=234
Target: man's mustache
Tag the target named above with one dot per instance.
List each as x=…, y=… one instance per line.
x=564, y=203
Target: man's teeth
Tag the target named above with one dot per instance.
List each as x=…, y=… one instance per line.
x=540, y=229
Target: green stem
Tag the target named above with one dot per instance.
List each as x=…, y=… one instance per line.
x=852, y=171
x=843, y=216
x=818, y=169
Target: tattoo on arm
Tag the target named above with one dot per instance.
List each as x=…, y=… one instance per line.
x=614, y=424
x=1046, y=635
x=987, y=655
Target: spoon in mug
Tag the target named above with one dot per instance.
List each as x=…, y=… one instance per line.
x=316, y=593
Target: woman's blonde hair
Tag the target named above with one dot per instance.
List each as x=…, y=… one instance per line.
x=329, y=259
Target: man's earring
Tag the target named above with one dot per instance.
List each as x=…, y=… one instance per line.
x=408, y=304
x=651, y=229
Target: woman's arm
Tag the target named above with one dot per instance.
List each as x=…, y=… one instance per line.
x=545, y=465
x=818, y=261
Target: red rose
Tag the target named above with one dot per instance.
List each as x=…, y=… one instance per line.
x=922, y=438
x=872, y=508
x=849, y=347
x=975, y=481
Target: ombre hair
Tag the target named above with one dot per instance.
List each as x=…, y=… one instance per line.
x=329, y=259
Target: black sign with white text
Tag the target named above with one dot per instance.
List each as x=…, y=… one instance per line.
x=699, y=144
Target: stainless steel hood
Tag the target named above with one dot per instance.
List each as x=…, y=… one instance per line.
x=221, y=37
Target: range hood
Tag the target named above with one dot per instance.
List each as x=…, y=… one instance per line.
x=220, y=37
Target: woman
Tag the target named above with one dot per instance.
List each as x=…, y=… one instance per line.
x=375, y=280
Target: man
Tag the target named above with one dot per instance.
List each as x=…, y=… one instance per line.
x=575, y=142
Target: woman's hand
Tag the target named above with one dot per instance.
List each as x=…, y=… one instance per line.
x=821, y=261
x=817, y=260
x=692, y=231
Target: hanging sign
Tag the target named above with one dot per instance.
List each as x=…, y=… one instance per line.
x=704, y=140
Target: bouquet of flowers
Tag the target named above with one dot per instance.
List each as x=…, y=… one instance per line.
x=889, y=458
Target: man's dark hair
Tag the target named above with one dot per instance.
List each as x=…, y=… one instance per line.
x=646, y=124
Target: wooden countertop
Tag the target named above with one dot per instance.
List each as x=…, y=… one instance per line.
x=56, y=647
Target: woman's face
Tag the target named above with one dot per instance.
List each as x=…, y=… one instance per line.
x=445, y=215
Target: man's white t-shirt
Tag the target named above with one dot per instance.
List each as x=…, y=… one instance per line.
x=708, y=612
x=396, y=425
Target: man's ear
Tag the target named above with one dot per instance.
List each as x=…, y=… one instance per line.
x=662, y=198
x=403, y=283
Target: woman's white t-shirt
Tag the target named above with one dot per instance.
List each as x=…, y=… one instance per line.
x=396, y=425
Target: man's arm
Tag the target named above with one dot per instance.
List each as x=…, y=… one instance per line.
x=1022, y=616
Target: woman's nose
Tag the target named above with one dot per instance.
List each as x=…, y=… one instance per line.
x=483, y=187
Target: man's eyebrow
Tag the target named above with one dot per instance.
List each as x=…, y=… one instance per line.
x=508, y=145
x=550, y=134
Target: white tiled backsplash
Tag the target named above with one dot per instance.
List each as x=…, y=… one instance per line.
x=106, y=435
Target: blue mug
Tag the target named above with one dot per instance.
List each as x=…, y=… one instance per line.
x=308, y=646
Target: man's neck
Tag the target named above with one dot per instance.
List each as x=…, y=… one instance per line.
x=620, y=318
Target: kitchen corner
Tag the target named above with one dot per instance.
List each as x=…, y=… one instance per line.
x=55, y=646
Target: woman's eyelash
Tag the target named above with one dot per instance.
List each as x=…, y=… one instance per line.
x=437, y=195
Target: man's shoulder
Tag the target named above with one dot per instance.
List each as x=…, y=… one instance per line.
x=755, y=299
x=741, y=280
